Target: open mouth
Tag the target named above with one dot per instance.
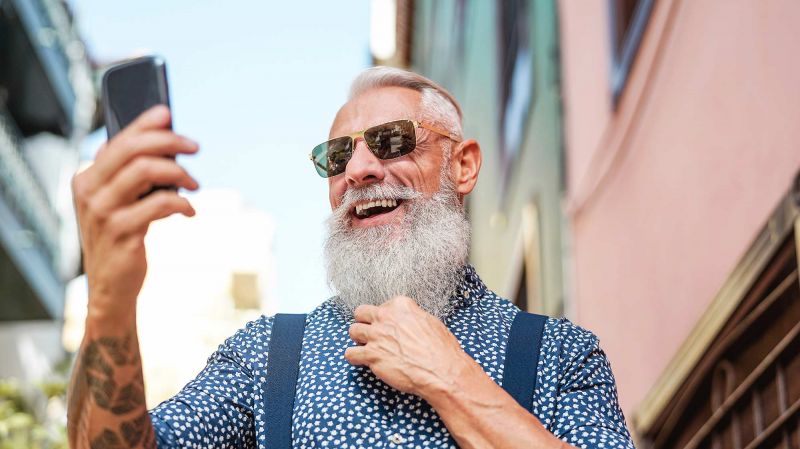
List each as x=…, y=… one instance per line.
x=375, y=207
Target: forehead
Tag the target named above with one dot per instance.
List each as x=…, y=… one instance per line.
x=376, y=106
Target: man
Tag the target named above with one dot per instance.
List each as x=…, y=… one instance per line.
x=410, y=351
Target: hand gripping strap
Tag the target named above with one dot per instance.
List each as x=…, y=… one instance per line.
x=283, y=366
x=522, y=357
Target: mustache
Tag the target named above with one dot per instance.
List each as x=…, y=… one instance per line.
x=371, y=192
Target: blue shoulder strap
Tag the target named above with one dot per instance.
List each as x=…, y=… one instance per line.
x=283, y=366
x=522, y=356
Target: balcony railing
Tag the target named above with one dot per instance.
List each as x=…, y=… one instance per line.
x=24, y=195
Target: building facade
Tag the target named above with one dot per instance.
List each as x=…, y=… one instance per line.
x=640, y=163
x=681, y=152
x=47, y=105
x=500, y=60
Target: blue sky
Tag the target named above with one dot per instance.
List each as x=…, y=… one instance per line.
x=257, y=84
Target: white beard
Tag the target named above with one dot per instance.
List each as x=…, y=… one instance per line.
x=420, y=256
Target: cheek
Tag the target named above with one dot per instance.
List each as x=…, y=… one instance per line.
x=416, y=173
x=335, y=192
x=427, y=170
x=423, y=177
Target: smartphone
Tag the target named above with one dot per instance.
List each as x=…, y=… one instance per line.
x=130, y=88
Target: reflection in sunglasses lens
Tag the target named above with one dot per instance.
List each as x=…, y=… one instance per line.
x=391, y=140
x=339, y=152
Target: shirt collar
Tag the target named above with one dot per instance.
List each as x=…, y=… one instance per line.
x=470, y=289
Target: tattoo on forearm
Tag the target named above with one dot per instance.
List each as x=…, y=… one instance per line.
x=97, y=380
x=102, y=389
x=101, y=357
x=119, y=349
x=132, y=431
x=129, y=397
x=107, y=440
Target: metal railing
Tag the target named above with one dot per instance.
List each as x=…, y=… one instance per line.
x=24, y=194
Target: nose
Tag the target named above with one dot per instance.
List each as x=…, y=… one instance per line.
x=363, y=167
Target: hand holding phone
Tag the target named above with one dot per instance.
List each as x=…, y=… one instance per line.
x=114, y=197
x=129, y=89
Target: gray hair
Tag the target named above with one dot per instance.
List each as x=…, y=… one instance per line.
x=437, y=104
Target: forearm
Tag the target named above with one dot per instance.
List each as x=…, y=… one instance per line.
x=106, y=403
x=480, y=414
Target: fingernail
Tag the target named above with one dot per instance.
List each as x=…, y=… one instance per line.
x=191, y=143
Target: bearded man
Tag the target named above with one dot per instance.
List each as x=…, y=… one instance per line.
x=410, y=352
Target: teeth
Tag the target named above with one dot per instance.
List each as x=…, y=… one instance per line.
x=362, y=208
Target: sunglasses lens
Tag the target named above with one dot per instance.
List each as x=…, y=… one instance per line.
x=331, y=157
x=390, y=140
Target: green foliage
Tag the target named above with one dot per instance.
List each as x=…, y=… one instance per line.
x=33, y=417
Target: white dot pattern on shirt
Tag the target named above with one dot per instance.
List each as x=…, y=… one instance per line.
x=338, y=405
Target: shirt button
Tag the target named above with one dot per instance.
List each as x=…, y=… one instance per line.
x=397, y=439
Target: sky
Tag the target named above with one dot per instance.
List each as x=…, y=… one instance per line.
x=257, y=84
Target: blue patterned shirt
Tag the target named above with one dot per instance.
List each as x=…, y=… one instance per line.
x=338, y=405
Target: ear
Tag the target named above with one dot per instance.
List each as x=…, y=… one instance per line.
x=465, y=163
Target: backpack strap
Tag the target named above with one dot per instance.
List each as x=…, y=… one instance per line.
x=283, y=366
x=522, y=357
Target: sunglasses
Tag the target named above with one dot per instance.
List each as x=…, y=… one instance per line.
x=386, y=141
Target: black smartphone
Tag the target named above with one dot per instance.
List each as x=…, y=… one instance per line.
x=130, y=88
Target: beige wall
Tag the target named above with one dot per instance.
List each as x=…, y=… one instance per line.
x=667, y=190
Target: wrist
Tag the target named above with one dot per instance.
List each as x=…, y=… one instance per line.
x=110, y=315
x=449, y=384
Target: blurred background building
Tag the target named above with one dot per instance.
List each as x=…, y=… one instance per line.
x=47, y=104
x=47, y=107
x=639, y=161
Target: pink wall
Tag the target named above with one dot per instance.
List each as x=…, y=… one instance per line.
x=667, y=192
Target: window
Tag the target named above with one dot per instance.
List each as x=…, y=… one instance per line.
x=627, y=19
x=516, y=76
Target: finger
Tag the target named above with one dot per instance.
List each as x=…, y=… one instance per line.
x=136, y=218
x=138, y=178
x=359, y=332
x=157, y=117
x=365, y=313
x=357, y=355
x=122, y=149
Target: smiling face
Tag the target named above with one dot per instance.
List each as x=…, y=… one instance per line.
x=419, y=170
x=398, y=225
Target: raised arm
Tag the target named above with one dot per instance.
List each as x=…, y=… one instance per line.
x=106, y=406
